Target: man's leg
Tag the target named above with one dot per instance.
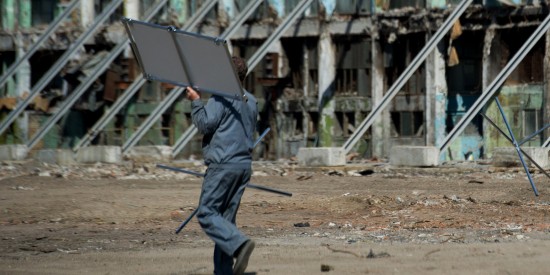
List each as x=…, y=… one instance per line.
x=221, y=193
x=223, y=263
x=245, y=249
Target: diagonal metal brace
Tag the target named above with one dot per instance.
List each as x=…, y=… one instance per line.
x=510, y=140
x=516, y=145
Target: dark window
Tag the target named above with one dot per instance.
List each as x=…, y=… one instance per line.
x=408, y=124
x=531, y=122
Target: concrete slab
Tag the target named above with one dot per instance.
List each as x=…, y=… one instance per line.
x=147, y=154
x=414, y=156
x=322, y=156
x=13, y=152
x=56, y=156
x=508, y=156
x=93, y=154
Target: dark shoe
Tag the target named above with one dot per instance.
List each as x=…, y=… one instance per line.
x=242, y=257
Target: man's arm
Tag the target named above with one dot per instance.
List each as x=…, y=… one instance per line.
x=205, y=117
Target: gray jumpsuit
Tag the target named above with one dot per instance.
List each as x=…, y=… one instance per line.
x=228, y=126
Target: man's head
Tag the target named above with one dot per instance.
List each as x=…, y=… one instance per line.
x=240, y=67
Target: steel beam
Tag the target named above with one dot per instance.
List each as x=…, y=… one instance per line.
x=546, y=143
x=496, y=84
x=36, y=45
x=130, y=91
x=59, y=64
x=176, y=92
x=407, y=73
x=252, y=62
x=98, y=70
x=516, y=146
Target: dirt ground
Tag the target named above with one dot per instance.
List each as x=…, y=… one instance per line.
x=367, y=218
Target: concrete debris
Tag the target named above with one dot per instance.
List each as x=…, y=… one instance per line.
x=373, y=255
x=302, y=224
x=326, y=268
x=22, y=188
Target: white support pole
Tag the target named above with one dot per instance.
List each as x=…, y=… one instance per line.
x=87, y=13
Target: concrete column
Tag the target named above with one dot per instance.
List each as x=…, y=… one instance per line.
x=327, y=74
x=436, y=97
x=179, y=10
x=9, y=11
x=490, y=67
x=25, y=14
x=305, y=70
x=379, y=130
x=546, y=95
x=305, y=86
x=23, y=75
x=87, y=13
x=493, y=60
x=132, y=8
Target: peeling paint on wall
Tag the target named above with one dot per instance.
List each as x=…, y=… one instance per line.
x=327, y=73
x=522, y=106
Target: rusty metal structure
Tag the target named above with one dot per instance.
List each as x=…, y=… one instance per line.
x=327, y=73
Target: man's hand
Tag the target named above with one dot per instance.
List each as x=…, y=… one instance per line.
x=192, y=94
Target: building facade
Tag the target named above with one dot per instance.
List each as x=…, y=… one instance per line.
x=332, y=65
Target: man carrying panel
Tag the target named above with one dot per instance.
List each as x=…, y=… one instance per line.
x=228, y=126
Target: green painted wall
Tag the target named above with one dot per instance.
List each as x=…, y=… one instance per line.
x=514, y=100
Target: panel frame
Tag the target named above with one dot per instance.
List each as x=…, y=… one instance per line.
x=223, y=79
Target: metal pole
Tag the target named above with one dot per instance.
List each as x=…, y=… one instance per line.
x=533, y=134
x=514, y=141
x=404, y=77
x=53, y=26
x=259, y=187
x=496, y=84
x=511, y=141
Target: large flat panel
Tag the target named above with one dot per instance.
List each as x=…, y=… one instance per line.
x=183, y=58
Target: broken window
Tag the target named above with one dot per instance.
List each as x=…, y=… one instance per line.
x=347, y=122
x=397, y=57
x=530, y=69
x=465, y=77
x=408, y=124
x=352, y=7
x=43, y=11
x=352, y=58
